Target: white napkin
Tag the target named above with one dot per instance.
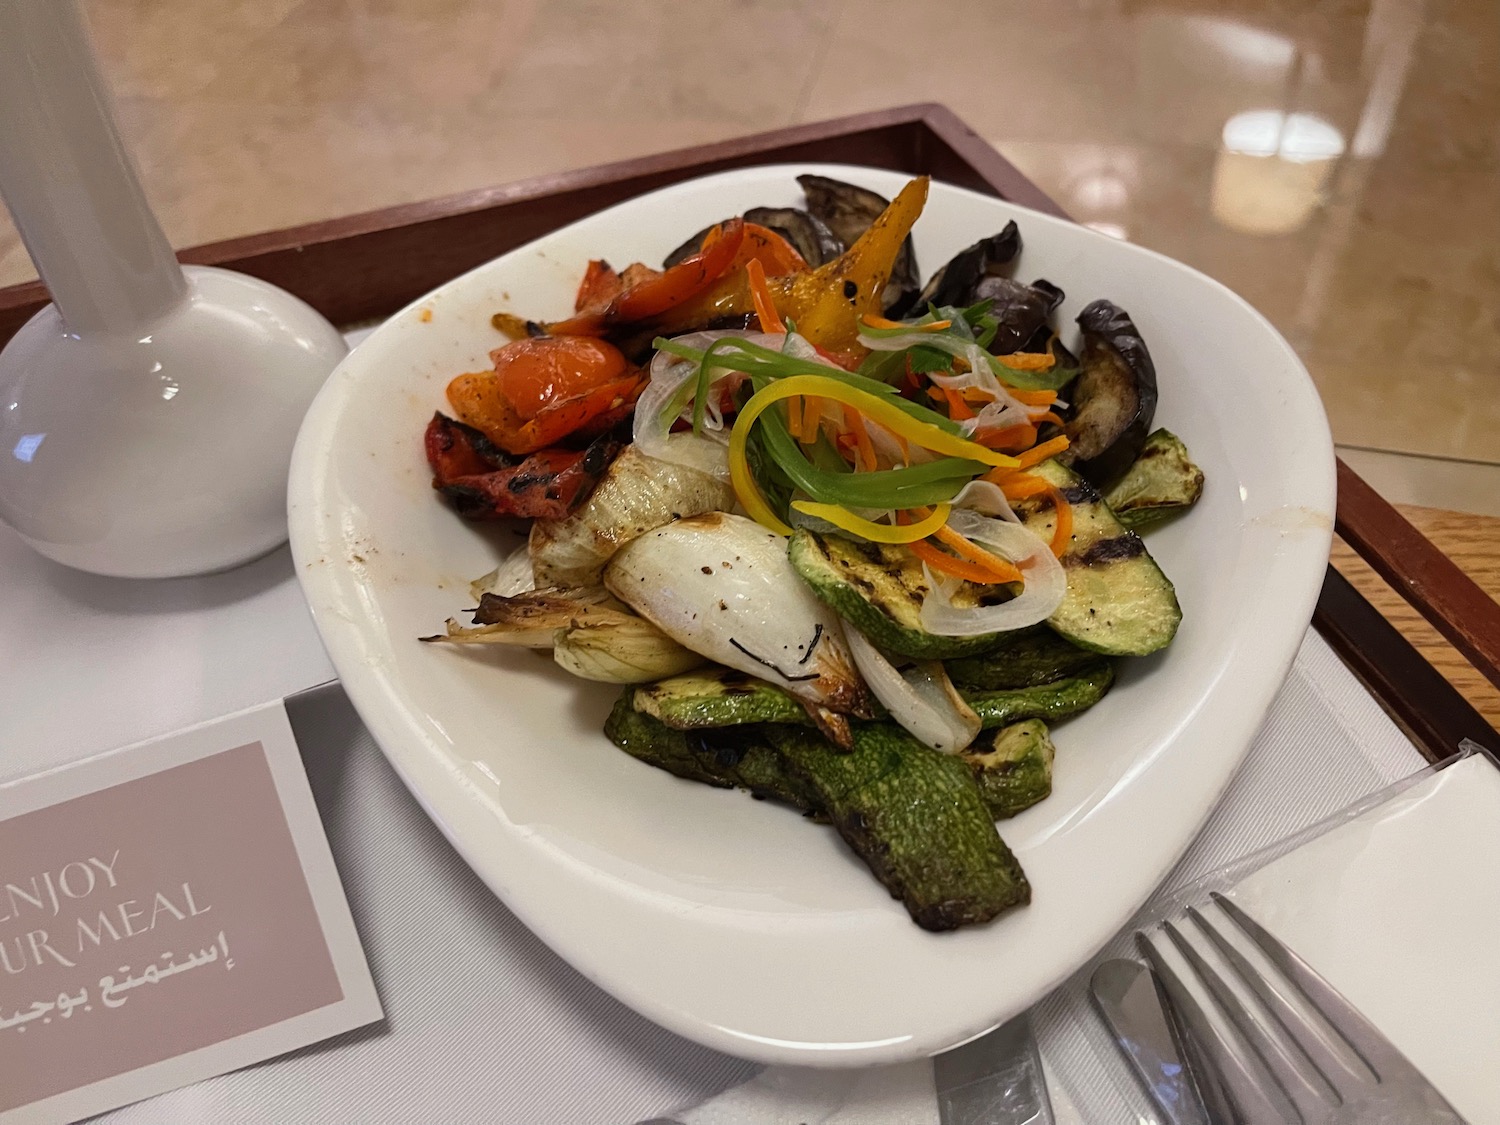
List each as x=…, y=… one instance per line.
x=1400, y=910
x=786, y=1095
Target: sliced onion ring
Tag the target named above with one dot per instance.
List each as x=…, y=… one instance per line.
x=1046, y=581
x=923, y=700
x=987, y=498
x=652, y=434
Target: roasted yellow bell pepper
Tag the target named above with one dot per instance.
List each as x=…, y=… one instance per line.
x=827, y=303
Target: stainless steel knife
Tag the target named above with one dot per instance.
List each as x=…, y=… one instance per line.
x=1125, y=992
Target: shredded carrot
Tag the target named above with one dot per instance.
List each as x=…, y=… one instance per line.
x=760, y=294
x=812, y=417
x=1028, y=361
x=794, y=417
x=1063, y=532
x=863, y=447
x=1047, y=417
x=978, y=394
x=1017, y=486
x=913, y=381
x=881, y=322
x=1032, y=398
x=1003, y=568
x=958, y=409
x=944, y=563
x=1039, y=453
x=1011, y=437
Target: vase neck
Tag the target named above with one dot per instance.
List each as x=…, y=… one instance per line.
x=67, y=180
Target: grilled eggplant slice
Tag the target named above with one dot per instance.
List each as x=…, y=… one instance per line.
x=848, y=210
x=1013, y=767
x=1022, y=312
x=878, y=587
x=1118, y=600
x=956, y=282
x=1162, y=482
x=1114, y=397
x=807, y=233
x=915, y=817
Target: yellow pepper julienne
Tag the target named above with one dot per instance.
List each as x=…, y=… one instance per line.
x=843, y=518
x=873, y=407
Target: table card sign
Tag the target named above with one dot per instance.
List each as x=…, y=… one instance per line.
x=168, y=912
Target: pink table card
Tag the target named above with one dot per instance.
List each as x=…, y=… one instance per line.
x=168, y=912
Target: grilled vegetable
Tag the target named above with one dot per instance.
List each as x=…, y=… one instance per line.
x=918, y=818
x=827, y=303
x=1118, y=600
x=645, y=294
x=915, y=817
x=806, y=233
x=1114, y=396
x=739, y=756
x=532, y=619
x=1161, y=482
x=715, y=697
x=879, y=587
x=848, y=211
x=636, y=494
x=628, y=650
x=1059, y=699
x=1020, y=312
x=721, y=585
x=956, y=282
x=921, y=699
x=1013, y=767
x=1027, y=658
x=483, y=482
x=545, y=389
x=718, y=697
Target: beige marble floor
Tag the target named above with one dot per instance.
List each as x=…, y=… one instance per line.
x=252, y=114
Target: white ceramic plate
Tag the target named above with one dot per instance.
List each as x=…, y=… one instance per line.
x=736, y=922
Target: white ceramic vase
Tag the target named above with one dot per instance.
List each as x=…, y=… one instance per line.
x=147, y=416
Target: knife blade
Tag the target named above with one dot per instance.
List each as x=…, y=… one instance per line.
x=1125, y=993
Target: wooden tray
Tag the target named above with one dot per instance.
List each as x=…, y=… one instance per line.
x=367, y=266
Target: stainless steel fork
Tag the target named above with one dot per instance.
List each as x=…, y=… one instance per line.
x=1270, y=1042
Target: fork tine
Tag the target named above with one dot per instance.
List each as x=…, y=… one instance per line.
x=1336, y=1061
x=1293, y=1071
x=1230, y=1065
x=1377, y=1052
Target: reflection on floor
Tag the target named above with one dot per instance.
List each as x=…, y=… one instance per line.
x=1336, y=162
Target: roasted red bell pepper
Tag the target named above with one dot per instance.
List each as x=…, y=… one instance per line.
x=546, y=388
x=656, y=294
x=482, y=481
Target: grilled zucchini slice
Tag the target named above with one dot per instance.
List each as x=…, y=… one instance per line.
x=915, y=817
x=879, y=588
x=1118, y=601
x=1161, y=482
x=1013, y=766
